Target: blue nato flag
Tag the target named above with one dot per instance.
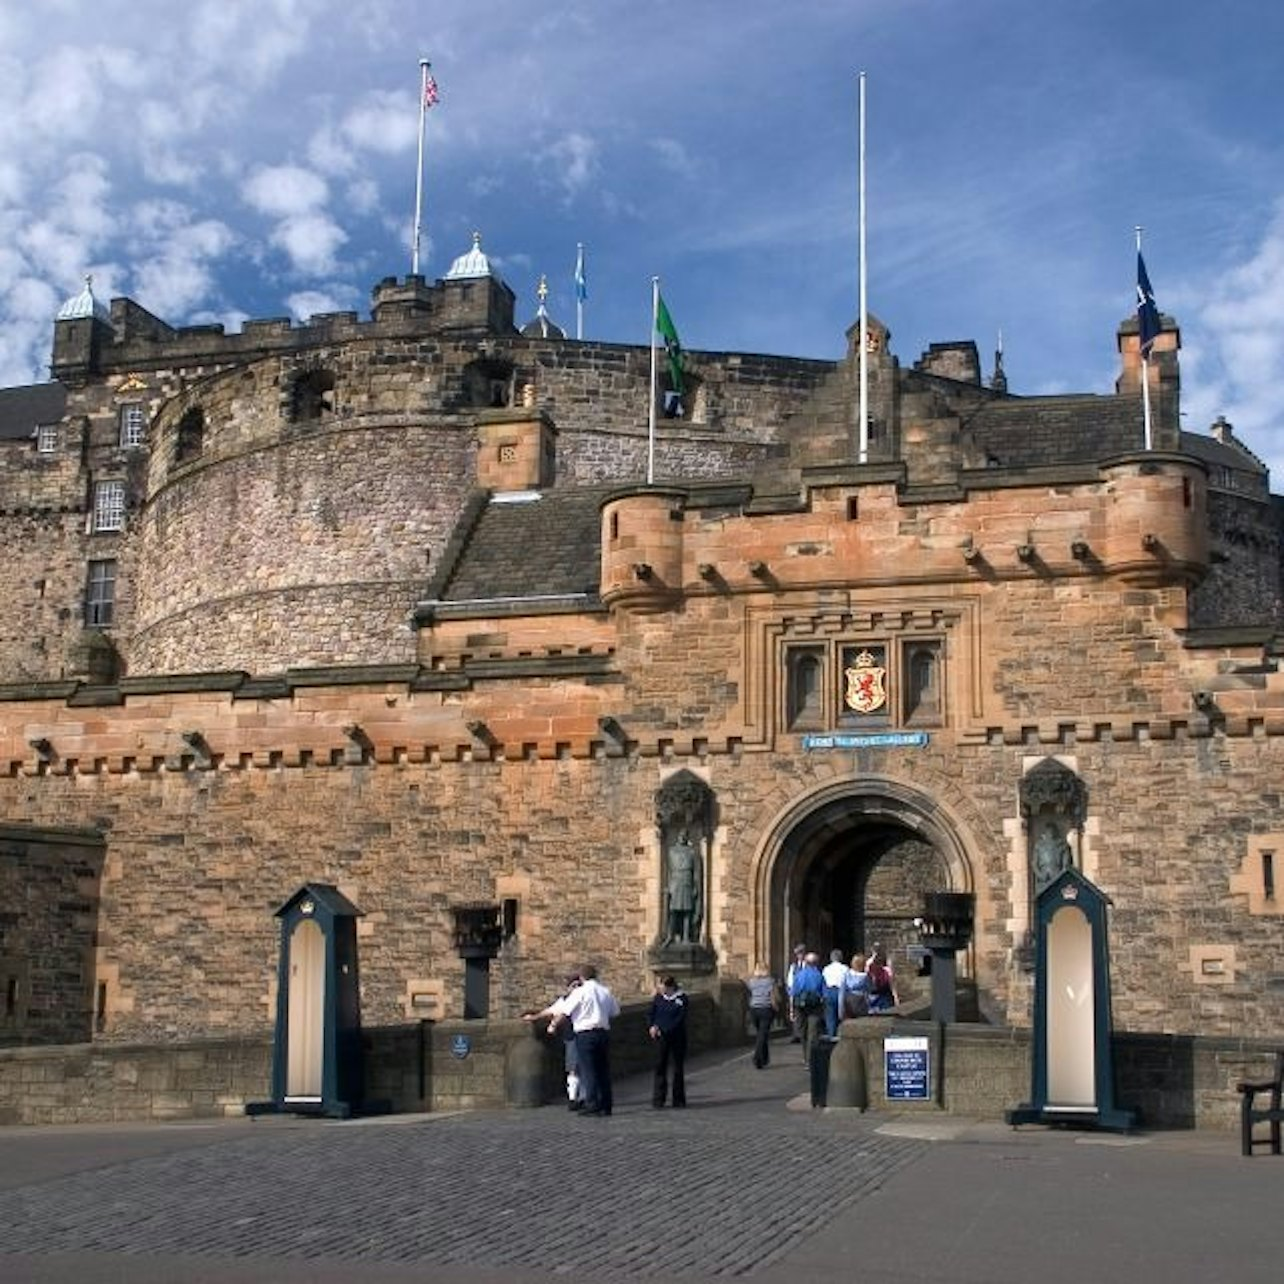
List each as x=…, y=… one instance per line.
x=1147, y=312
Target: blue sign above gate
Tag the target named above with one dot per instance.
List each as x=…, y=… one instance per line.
x=867, y=740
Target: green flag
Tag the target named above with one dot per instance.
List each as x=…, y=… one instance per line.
x=673, y=350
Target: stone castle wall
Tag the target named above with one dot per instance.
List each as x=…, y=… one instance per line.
x=198, y=860
x=420, y=817
x=1243, y=582
x=49, y=887
x=279, y=529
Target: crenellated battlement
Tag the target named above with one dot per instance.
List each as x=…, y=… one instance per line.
x=134, y=339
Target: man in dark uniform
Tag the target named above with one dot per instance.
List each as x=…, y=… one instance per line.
x=667, y=1025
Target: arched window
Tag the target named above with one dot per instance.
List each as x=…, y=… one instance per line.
x=804, y=699
x=312, y=396
x=489, y=384
x=190, y=438
x=923, y=682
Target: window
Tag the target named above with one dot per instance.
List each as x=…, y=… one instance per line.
x=100, y=593
x=109, y=506
x=47, y=438
x=312, y=396
x=859, y=679
x=133, y=426
x=191, y=435
x=805, y=695
x=922, y=682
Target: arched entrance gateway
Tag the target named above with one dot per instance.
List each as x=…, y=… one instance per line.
x=847, y=866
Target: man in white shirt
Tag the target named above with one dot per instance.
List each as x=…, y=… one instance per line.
x=835, y=978
x=590, y=1008
x=795, y=1018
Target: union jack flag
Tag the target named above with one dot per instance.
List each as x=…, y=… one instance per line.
x=430, y=91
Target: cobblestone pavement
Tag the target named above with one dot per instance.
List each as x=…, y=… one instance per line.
x=718, y=1190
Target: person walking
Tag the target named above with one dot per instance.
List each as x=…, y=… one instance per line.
x=667, y=1026
x=855, y=998
x=794, y=1016
x=808, y=994
x=835, y=978
x=764, y=1003
x=882, y=982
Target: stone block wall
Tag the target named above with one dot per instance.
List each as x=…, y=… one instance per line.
x=199, y=857
x=1243, y=581
x=981, y=1072
x=408, y=1067
x=49, y=889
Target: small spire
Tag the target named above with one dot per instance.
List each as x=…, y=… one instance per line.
x=542, y=326
x=999, y=381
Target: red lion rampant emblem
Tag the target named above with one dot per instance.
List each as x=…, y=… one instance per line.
x=865, y=691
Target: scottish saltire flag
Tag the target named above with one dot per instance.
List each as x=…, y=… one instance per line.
x=581, y=281
x=673, y=351
x=1147, y=312
x=430, y=91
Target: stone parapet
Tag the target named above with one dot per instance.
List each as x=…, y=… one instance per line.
x=978, y=1071
x=446, y=1065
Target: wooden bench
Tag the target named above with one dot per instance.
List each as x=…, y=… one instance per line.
x=1250, y=1114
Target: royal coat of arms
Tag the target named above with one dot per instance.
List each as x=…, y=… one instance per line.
x=865, y=691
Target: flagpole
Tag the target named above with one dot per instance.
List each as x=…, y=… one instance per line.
x=1145, y=371
x=864, y=316
x=650, y=432
x=424, y=66
x=579, y=291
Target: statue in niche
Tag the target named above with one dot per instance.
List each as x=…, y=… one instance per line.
x=1051, y=853
x=684, y=878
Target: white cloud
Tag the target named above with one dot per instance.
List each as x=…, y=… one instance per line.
x=675, y=157
x=307, y=234
x=311, y=242
x=1235, y=362
x=362, y=195
x=329, y=153
x=178, y=256
x=574, y=158
x=382, y=122
x=284, y=190
x=30, y=306
x=309, y=303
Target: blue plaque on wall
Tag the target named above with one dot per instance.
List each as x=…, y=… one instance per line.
x=460, y=1046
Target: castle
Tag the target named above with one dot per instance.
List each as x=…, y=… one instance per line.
x=386, y=604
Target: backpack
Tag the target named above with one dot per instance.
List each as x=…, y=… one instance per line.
x=880, y=981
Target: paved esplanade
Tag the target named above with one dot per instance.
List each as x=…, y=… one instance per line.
x=742, y=1183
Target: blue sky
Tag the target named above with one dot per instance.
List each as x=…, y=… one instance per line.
x=219, y=159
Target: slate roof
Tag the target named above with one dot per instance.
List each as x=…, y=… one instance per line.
x=1029, y=431
x=22, y=409
x=540, y=544
x=1226, y=454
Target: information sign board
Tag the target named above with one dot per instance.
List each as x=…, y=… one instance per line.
x=905, y=1064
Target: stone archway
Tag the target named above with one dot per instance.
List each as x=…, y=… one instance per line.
x=846, y=866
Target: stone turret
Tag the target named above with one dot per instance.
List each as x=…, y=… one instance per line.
x=81, y=329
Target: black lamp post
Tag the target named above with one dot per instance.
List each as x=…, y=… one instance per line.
x=479, y=932
x=944, y=929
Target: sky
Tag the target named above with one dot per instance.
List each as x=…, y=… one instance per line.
x=223, y=159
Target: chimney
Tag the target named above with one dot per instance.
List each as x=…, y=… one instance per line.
x=1165, y=377
x=516, y=447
